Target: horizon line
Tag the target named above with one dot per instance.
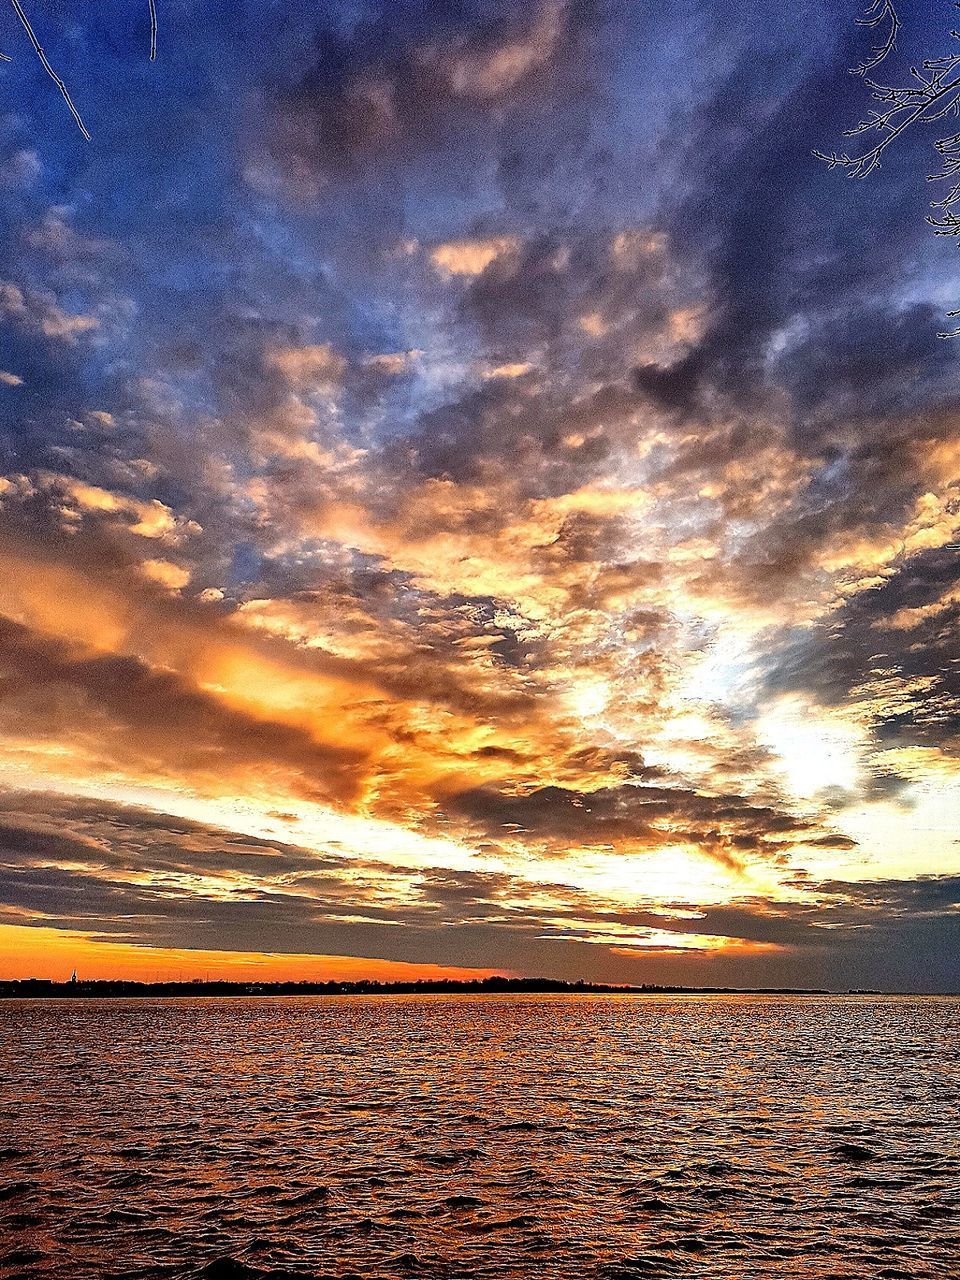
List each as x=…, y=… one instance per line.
x=106, y=987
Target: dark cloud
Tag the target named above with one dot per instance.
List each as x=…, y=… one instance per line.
x=120, y=708
x=891, y=648
x=814, y=339
x=550, y=443
x=723, y=826
x=136, y=875
x=805, y=272
x=453, y=357
x=394, y=81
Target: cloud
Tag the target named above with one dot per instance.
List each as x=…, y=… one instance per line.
x=469, y=257
x=122, y=874
x=314, y=367
x=169, y=575
x=455, y=444
x=123, y=713
x=39, y=312
x=147, y=519
x=890, y=650
x=408, y=80
x=635, y=816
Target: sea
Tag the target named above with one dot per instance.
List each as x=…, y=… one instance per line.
x=615, y=1137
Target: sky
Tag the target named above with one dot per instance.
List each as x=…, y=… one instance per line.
x=477, y=496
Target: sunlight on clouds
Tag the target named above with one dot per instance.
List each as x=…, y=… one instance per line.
x=670, y=875
x=588, y=699
x=172, y=576
x=147, y=519
x=315, y=367
x=517, y=546
x=470, y=257
x=817, y=748
x=514, y=370
x=913, y=838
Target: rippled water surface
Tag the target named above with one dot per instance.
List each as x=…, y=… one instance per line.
x=607, y=1137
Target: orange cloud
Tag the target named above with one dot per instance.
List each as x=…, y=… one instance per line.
x=470, y=257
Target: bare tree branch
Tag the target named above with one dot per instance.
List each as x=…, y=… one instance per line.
x=38, y=48
x=18, y=8
x=881, y=11
x=932, y=94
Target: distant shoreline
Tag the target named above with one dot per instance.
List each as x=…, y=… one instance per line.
x=39, y=988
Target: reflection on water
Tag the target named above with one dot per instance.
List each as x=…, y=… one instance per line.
x=449, y=1136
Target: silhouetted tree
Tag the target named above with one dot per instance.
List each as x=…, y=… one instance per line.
x=931, y=94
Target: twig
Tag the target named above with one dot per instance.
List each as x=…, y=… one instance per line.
x=153, y=30
x=879, y=11
x=47, y=67
x=933, y=94
x=916, y=102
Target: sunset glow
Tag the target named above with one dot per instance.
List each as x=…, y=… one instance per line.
x=439, y=536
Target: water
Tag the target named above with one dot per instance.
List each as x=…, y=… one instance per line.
x=610, y=1137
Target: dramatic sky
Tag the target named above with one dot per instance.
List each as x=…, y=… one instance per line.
x=476, y=492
